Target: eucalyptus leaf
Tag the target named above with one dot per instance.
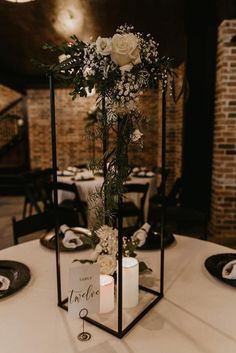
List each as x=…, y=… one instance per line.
x=143, y=267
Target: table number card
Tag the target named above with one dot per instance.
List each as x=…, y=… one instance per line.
x=84, y=289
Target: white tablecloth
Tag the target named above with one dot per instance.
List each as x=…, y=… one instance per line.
x=87, y=187
x=197, y=314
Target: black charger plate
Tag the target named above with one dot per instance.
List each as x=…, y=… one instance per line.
x=153, y=241
x=49, y=241
x=215, y=263
x=17, y=273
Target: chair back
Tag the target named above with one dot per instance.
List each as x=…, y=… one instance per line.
x=138, y=188
x=82, y=165
x=62, y=186
x=34, y=187
x=41, y=221
x=74, y=203
x=31, y=225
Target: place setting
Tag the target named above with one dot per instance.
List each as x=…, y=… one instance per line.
x=70, y=239
x=149, y=237
x=14, y=275
x=153, y=240
x=223, y=267
x=142, y=172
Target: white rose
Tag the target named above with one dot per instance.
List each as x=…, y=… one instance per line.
x=103, y=46
x=125, y=50
x=136, y=135
x=107, y=264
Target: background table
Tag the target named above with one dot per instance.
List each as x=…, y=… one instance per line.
x=87, y=187
x=197, y=314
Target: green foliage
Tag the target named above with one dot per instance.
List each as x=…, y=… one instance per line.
x=86, y=66
x=143, y=267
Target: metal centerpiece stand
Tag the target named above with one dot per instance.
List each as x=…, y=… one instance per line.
x=119, y=312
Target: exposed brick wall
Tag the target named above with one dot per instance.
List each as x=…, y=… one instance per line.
x=223, y=207
x=9, y=127
x=7, y=96
x=174, y=131
x=147, y=156
x=73, y=146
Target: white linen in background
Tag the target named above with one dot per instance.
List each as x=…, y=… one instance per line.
x=86, y=174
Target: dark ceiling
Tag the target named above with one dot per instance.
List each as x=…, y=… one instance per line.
x=24, y=28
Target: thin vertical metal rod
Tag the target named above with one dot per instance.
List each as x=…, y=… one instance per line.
x=163, y=191
x=120, y=274
x=105, y=150
x=55, y=197
x=120, y=234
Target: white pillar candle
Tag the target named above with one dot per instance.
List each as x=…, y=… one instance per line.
x=130, y=287
x=106, y=293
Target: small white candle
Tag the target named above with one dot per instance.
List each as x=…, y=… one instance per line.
x=106, y=293
x=130, y=288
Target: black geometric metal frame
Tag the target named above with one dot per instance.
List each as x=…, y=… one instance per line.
x=62, y=303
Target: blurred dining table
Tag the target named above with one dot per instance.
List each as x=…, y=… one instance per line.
x=196, y=315
x=88, y=187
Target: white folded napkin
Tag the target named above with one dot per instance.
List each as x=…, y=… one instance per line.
x=135, y=170
x=4, y=283
x=70, y=239
x=150, y=174
x=72, y=169
x=142, y=173
x=229, y=270
x=141, y=234
x=87, y=174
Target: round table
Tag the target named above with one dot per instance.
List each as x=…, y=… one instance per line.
x=196, y=315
